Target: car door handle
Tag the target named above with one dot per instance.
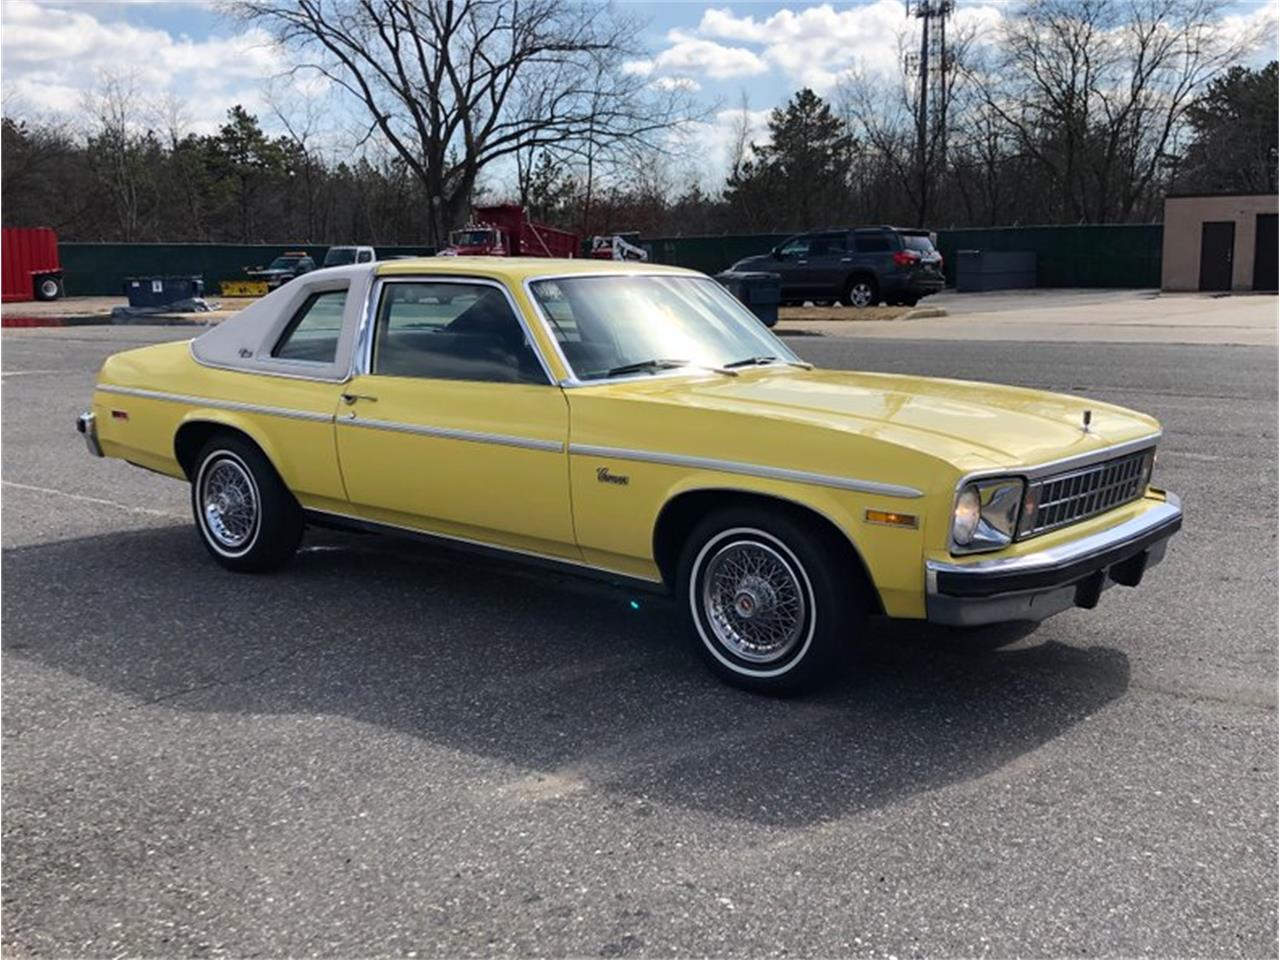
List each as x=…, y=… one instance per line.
x=350, y=398
x=802, y=261
x=846, y=259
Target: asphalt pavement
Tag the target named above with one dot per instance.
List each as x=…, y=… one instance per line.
x=390, y=749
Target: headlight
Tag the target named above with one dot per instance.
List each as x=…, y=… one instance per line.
x=986, y=514
x=968, y=514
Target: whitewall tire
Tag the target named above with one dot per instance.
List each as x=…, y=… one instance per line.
x=772, y=606
x=247, y=519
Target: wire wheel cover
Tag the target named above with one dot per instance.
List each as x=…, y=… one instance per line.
x=229, y=503
x=753, y=601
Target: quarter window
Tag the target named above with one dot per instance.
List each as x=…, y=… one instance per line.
x=451, y=331
x=312, y=334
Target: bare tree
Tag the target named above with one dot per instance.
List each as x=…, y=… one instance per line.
x=455, y=85
x=302, y=117
x=117, y=148
x=889, y=127
x=1095, y=91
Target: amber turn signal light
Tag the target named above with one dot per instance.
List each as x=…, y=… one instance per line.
x=892, y=519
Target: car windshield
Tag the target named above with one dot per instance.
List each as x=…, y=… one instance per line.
x=340, y=256
x=918, y=241
x=472, y=238
x=284, y=263
x=622, y=325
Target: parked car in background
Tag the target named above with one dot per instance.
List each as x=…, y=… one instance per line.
x=283, y=269
x=31, y=268
x=635, y=421
x=341, y=256
x=861, y=267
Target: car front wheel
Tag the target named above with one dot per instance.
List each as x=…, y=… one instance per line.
x=772, y=606
x=247, y=518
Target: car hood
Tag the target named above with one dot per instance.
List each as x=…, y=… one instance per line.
x=971, y=425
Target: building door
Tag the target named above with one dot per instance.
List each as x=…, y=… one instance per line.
x=1265, y=253
x=1217, y=251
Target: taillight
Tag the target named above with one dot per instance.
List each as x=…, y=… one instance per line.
x=906, y=258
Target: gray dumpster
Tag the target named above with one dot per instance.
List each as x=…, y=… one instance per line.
x=980, y=270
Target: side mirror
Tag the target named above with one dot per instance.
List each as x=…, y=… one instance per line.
x=776, y=253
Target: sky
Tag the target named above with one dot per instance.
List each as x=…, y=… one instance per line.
x=53, y=51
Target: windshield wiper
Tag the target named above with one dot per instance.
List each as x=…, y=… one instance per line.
x=760, y=361
x=642, y=366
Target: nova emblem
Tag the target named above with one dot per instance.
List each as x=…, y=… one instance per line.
x=604, y=476
x=1088, y=419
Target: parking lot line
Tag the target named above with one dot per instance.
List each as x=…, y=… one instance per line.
x=97, y=500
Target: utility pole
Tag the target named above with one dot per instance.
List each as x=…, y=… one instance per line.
x=930, y=134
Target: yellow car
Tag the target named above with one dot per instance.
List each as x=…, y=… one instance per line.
x=636, y=422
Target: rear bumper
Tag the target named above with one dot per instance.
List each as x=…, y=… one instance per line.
x=915, y=285
x=1038, y=585
x=87, y=425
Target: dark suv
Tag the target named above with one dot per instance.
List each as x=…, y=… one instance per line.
x=860, y=267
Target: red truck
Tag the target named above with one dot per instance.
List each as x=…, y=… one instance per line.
x=505, y=231
x=29, y=265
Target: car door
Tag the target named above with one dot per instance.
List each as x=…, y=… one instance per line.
x=453, y=426
x=829, y=259
x=791, y=265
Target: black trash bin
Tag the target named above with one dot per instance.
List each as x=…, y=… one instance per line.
x=758, y=292
x=162, y=291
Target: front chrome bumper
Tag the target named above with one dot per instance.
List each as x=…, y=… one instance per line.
x=1038, y=585
x=87, y=424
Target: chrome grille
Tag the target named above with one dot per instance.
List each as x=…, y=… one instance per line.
x=1065, y=498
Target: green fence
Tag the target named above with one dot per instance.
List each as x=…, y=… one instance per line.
x=1089, y=255
x=1120, y=255
x=100, y=269
x=711, y=254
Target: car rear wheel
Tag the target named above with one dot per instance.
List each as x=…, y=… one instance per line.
x=248, y=520
x=48, y=288
x=861, y=292
x=771, y=606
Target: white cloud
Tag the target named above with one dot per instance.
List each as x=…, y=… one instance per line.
x=712, y=142
x=54, y=53
x=688, y=84
x=690, y=54
x=814, y=45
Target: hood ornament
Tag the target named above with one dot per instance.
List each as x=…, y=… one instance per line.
x=1088, y=419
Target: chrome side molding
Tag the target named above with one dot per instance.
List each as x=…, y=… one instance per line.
x=746, y=469
x=286, y=412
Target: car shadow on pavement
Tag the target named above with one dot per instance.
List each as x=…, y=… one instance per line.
x=569, y=681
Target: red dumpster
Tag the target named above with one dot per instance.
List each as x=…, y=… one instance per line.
x=29, y=265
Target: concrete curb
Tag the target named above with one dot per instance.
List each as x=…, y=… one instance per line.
x=924, y=313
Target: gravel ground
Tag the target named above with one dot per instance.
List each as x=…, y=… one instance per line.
x=387, y=749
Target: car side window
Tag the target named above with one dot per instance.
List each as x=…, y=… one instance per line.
x=829, y=245
x=873, y=243
x=451, y=331
x=312, y=335
x=796, y=247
